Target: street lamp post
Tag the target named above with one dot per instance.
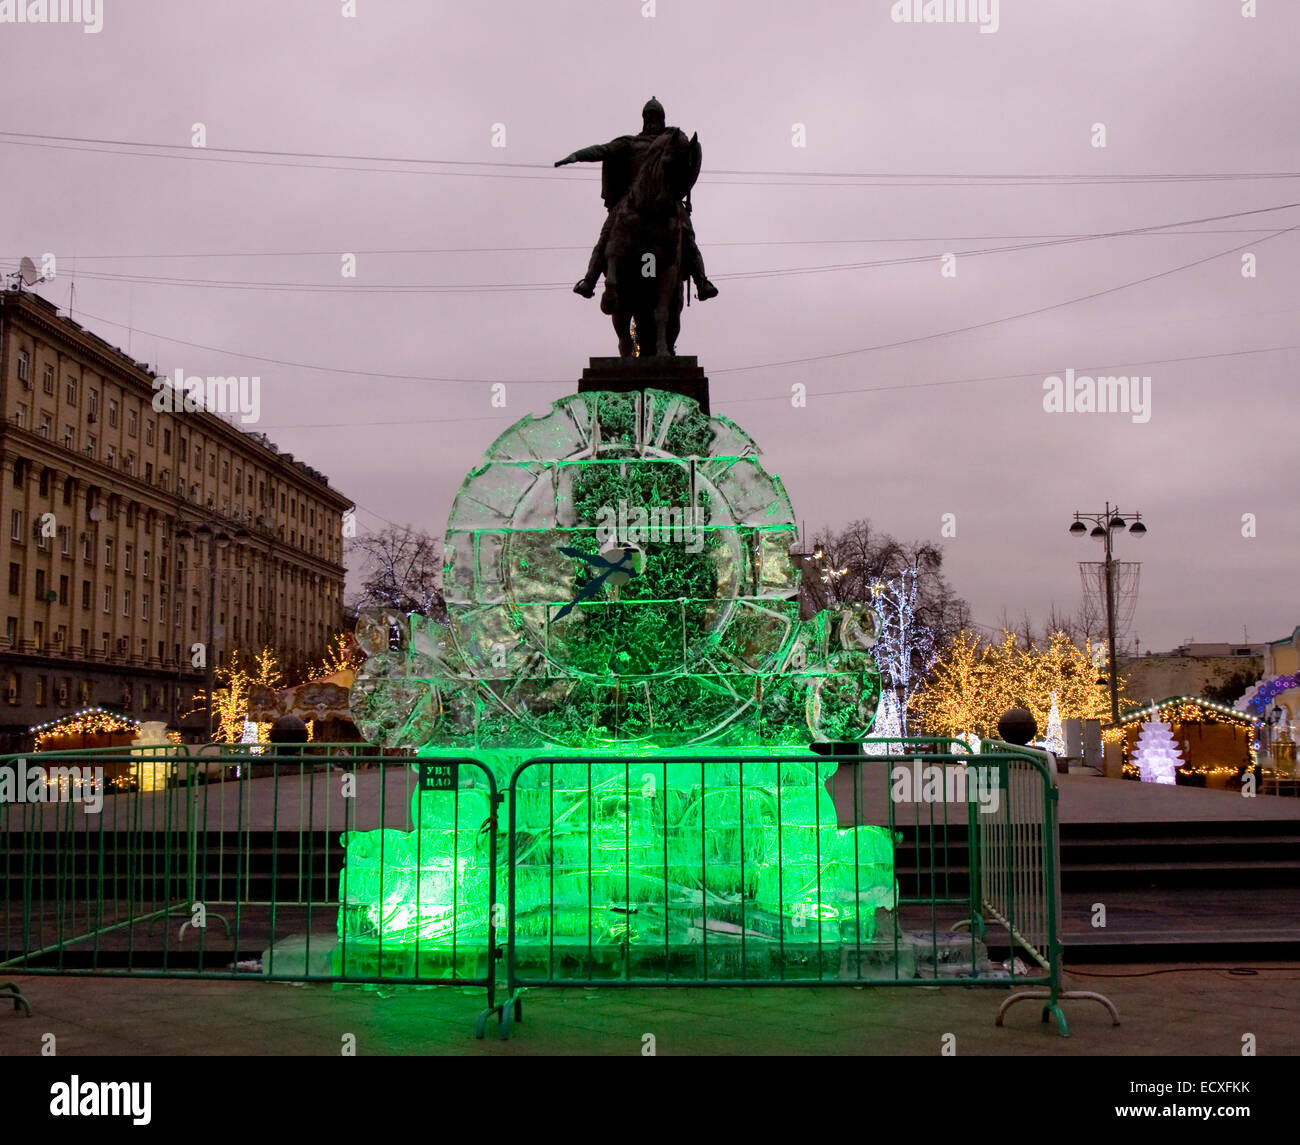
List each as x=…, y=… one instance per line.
x=1104, y=524
x=213, y=539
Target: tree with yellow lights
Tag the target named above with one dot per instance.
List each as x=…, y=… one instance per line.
x=230, y=703
x=975, y=683
x=340, y=653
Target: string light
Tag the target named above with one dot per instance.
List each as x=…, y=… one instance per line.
x=88, y=721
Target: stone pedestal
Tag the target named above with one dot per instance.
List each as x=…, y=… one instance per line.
x=626, y=375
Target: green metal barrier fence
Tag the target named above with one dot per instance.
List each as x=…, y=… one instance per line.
x=228, y=862
x=914, y=865
x=741, y=870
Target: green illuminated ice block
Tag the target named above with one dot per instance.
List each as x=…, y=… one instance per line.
x=620, y=590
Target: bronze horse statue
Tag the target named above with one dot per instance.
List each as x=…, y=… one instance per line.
x=644, y=274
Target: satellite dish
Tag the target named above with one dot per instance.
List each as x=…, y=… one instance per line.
x=96, y=514
x=26, y=274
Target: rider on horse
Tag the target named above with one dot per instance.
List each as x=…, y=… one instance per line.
x=619, y=160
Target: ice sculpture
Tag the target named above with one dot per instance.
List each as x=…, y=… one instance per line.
x=620, y=586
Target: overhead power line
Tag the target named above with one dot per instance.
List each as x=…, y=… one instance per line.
x=353, y=287
x=734, y=369
x=503, y=169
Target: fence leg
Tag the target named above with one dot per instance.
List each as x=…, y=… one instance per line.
x=17, y=995
x=506, y=1014
x=1053, y=1008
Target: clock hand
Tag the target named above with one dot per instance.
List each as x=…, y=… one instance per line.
x=596, y=561
x=596, y=583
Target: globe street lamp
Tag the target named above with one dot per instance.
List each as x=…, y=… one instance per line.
x=1104, y=527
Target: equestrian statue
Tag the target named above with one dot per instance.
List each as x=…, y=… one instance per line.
x=646, y=250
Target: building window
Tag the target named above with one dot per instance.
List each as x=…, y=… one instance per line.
x=69, y=437
x=198, y=458
x=167, y=441
x=16, y=525
x=112, y=413
x=40, y=584
x=63, y=590
x=126, y=602
x=92, y=446
x=86, y=692
x=132, y=423
x=85, y=597
x=87, y=553
x=47, y=425
x=20, y=472
x=44, y=486
x=108, y=606
x=108, y=552
x=148, y=472
x=128, y=463
x=70, y=391
x=225, y=472
x=65, y=540
x=103, y=640
x=176, y=618
x=47, y=379
x=110, y=454
x=212, y=464
x=15, y=578
x=11, y=631
x=24, y=365
x=148, y=431
x=144, y=606
x=92, y=404
x=40, y=691
x=128, y=552
x=20, y=416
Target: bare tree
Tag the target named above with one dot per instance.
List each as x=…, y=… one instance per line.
x=844, y=565
x=402, y=569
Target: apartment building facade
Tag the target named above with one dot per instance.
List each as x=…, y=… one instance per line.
x=136, y=542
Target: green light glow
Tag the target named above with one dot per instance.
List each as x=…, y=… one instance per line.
x=619, y=584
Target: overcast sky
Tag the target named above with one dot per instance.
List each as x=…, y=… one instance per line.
x=925, y=391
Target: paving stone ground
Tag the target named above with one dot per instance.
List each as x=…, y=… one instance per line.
x=1199, y=1010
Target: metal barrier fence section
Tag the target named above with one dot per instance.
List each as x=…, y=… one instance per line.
x=918, y=865
x=331, y=864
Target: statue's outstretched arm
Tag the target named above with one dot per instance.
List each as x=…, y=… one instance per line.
x=591, y=154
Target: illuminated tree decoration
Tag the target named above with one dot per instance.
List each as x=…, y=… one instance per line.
x=905, y=648
x=1054, y=740
x=230, y=704
x=974, y=683
x=1157, y=755
x=888, y=725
